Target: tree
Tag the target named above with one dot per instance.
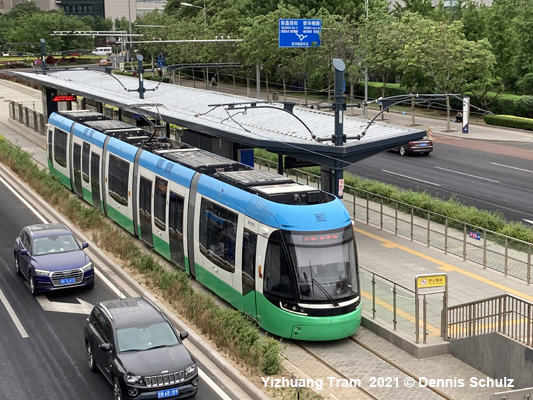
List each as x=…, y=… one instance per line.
x=261, y=41
x=522, y=40
x=382, y=43
x=420, y=7
x=499, y=32
x=453, y=63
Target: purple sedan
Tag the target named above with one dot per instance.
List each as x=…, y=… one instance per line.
x=50, y=258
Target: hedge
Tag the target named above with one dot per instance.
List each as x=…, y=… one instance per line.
x=509, y=121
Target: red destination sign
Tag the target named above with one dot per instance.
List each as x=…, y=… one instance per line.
x=64, y=97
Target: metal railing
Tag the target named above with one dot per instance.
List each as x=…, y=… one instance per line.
x=506, y=314
x=492, y=250
x=388, y=301
x=30, y=118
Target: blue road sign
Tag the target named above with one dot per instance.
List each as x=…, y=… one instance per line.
x=299, y=32
x=160, y=60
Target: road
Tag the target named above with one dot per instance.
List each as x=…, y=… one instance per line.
x=491, y=176
x=42, y=354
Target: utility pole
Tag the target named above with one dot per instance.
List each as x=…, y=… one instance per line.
x=339, y=137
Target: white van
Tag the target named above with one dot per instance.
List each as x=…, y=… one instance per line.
x=102, y=51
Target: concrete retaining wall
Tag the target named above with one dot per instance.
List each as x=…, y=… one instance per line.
x=497, y=356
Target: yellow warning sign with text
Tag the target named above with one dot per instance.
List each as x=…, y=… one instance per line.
x=429, y=281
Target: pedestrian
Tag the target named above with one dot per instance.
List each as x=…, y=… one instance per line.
x=459, y=117
x=214, y=81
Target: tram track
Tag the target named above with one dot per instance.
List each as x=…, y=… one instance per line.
x=374, y=375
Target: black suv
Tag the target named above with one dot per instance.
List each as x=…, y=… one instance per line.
x=138, y=350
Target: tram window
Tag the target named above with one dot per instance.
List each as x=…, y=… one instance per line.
x=249, y=246
x=277, y=276
x=217, y=234
x=118, y=179
x=160, y=203
x=85, y=162
x=60, y=147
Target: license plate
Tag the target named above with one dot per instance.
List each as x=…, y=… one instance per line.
x=167, y=393
x=423, y=144
x=67, y=281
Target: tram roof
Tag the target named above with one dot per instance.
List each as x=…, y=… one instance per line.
x=269, y=128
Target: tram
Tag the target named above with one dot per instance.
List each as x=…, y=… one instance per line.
x=275, y=249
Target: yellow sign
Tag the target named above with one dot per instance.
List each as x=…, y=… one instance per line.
x=428, y=281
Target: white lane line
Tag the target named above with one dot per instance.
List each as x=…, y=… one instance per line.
x=464, y=173
x=43, y=220
x=508, y=166
x=410, y=177
x=13, y=316
x=213, y=385
x=109, y=284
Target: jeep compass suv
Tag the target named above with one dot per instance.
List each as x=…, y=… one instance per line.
x=139, y=352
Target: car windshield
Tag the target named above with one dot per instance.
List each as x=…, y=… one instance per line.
x=146, y=337
x=54, y=244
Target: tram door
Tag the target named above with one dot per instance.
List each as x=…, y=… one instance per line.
x=95, y=180
x=249, y=253
x=76, y=162
x=145, y=210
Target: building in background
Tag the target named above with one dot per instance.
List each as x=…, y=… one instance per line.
x=146, y=6
x=112, y=9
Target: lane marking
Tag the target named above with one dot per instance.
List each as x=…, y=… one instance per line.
x=508, y=166
x=43, y=220
x=83, y=307
x=213, y=385
x=13, y=316
x=464, y=173
x=109, y=284
x=447, y=267
x=410, y=177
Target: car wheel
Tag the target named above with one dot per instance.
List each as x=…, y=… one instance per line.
x=403, y=151
x=91, y=285
x=90, y=358
x=426, y=154
x=117, y=391
x=33, y=287
x=17, y=266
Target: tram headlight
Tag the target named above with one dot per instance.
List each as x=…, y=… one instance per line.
x=295, y=308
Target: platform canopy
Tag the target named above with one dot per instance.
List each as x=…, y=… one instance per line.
x=239, y=120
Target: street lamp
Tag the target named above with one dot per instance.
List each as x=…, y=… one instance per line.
x=365, y=108
x=192, y=5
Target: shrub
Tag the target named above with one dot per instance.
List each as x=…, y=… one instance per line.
x=524, y=106
x=509, y=121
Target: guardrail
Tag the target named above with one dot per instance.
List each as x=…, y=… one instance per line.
x=31, y=118
x=506, y=314
x=492, y=250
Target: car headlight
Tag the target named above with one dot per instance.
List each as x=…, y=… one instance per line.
x=191, y=370
x=87, y=267
x=41, y=272
x=133, y=379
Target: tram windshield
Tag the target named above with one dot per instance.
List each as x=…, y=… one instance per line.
x=325, y=264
